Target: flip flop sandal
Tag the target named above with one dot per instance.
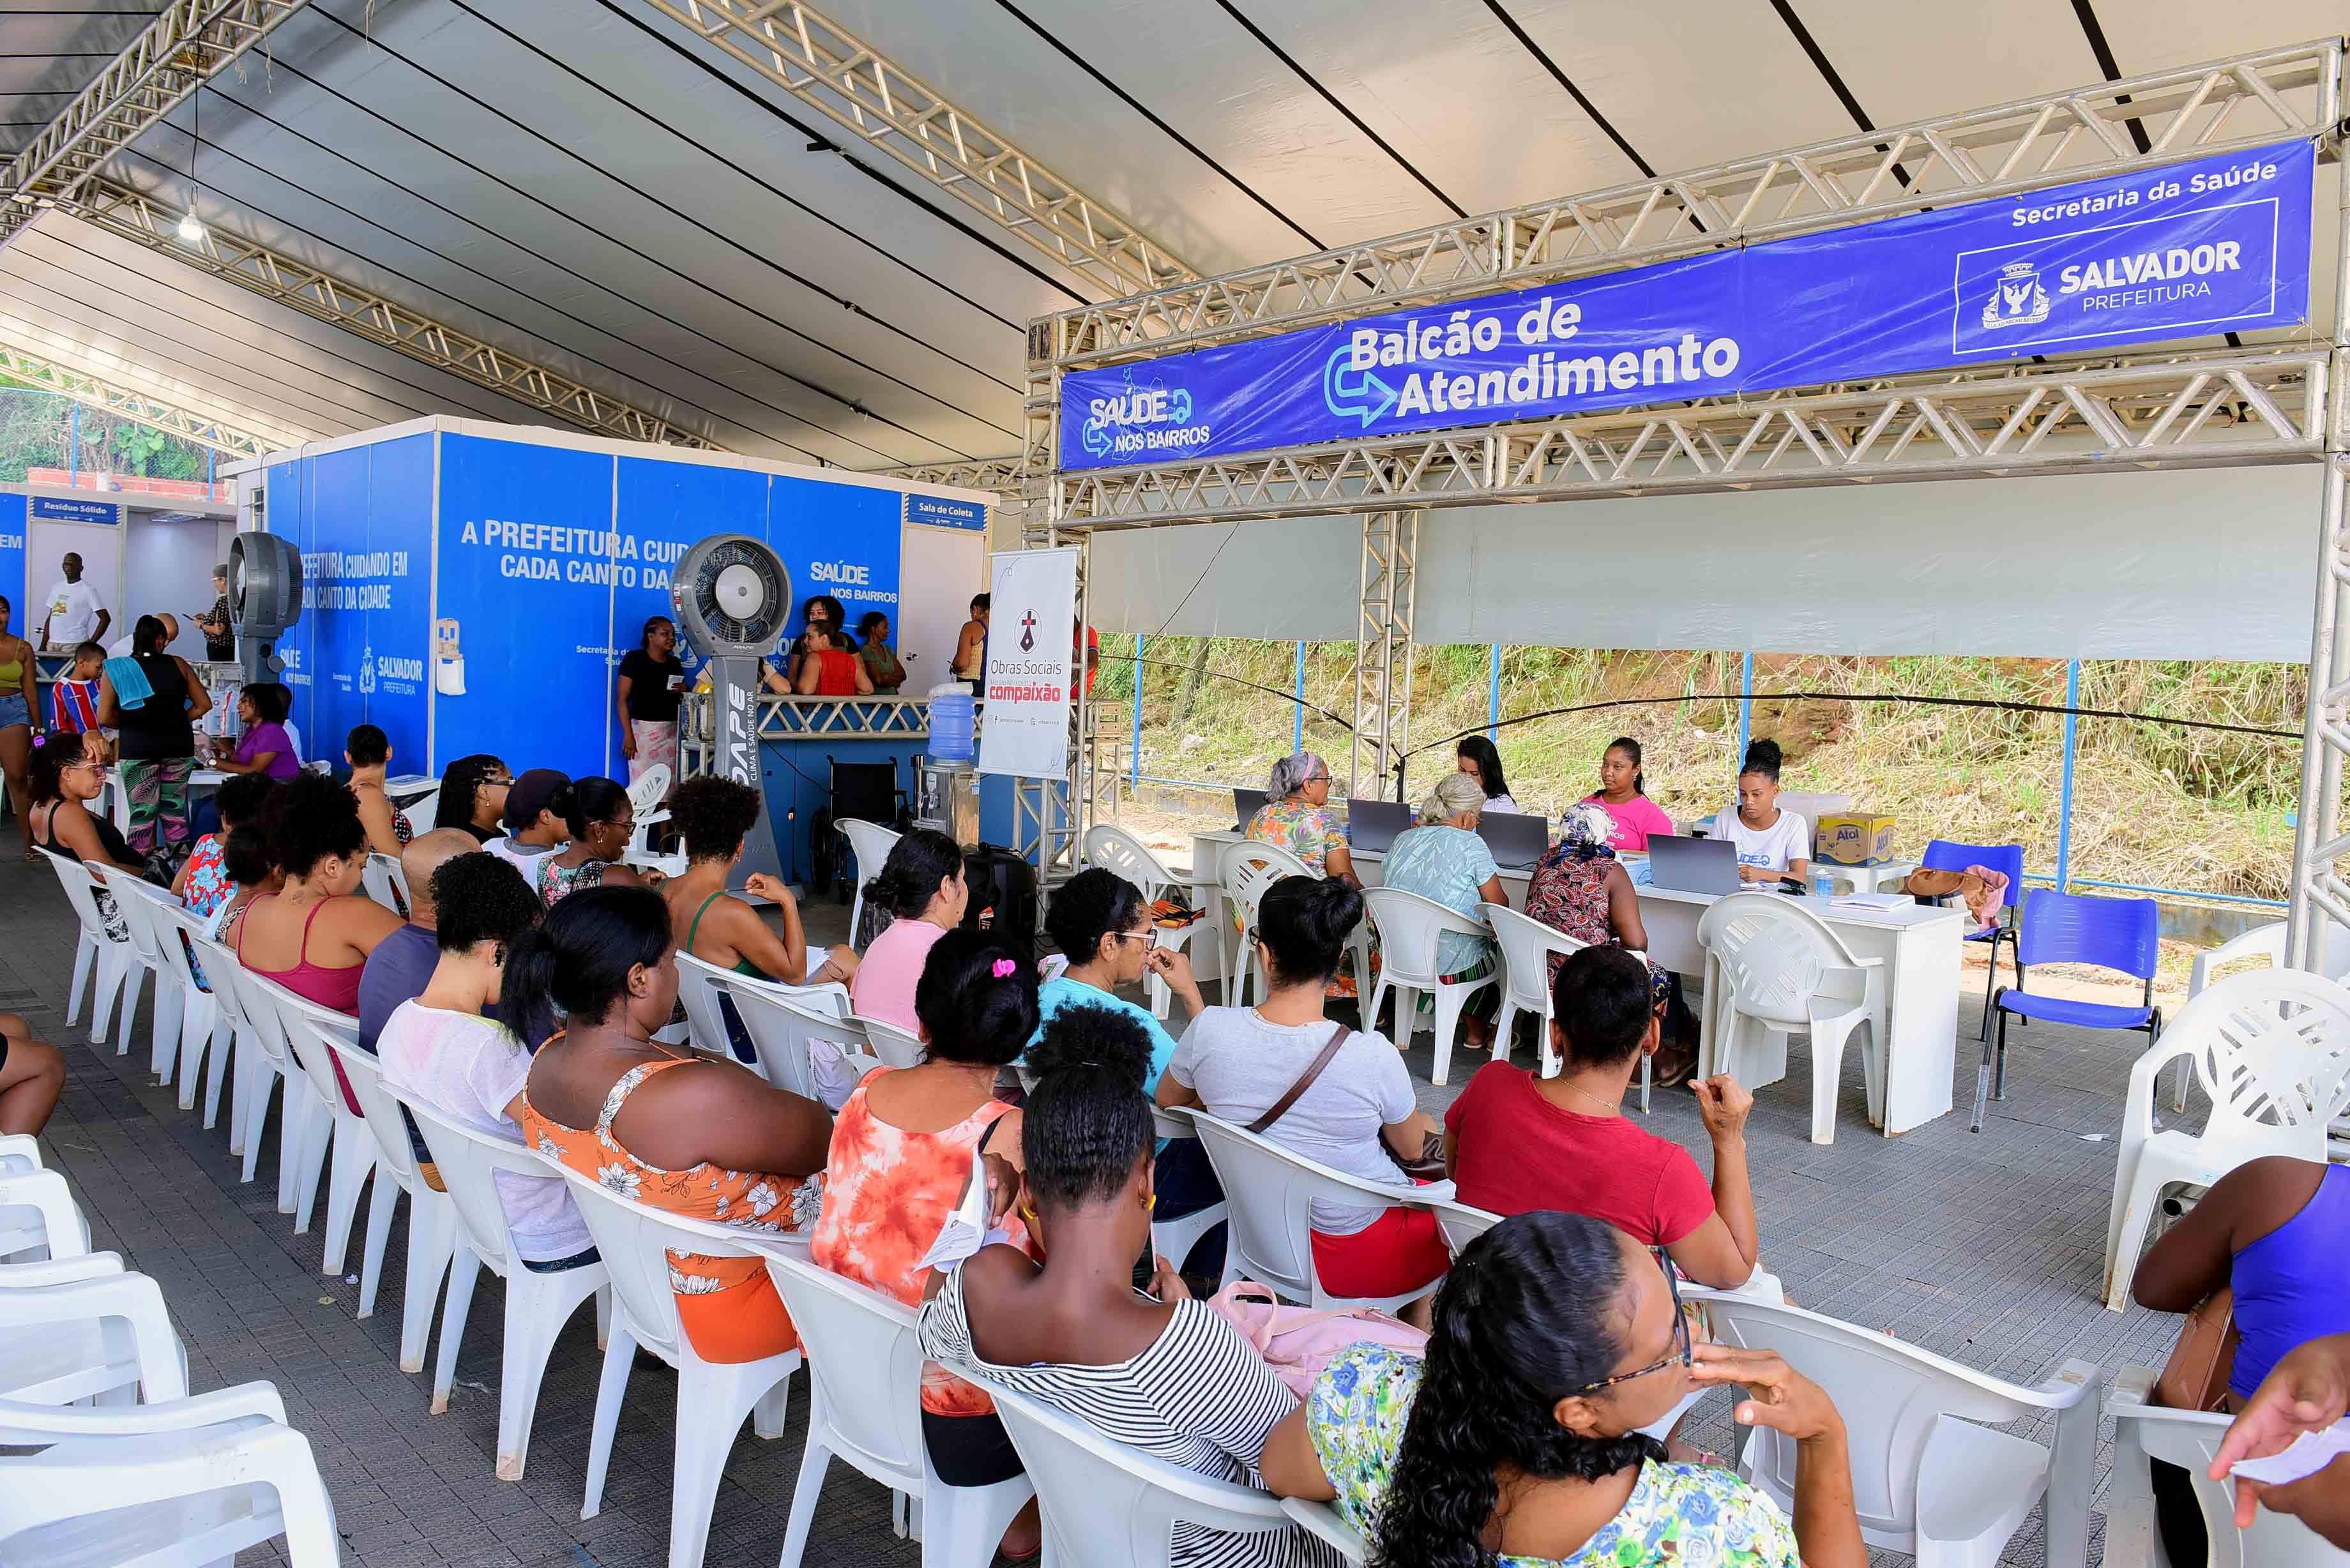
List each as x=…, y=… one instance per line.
x=1672, y=1077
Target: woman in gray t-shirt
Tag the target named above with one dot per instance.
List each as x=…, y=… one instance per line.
x=1237, y=1062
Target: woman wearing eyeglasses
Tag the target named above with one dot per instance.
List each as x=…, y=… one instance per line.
x=66, y=778
x=1103, y=923
x=1297, y=815
x=1557, y=1338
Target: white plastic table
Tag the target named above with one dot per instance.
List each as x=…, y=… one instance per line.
x=1919, y=1019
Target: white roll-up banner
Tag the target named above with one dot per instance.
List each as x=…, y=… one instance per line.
x=1031, y=645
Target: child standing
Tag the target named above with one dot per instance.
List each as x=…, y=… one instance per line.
x=73, y=698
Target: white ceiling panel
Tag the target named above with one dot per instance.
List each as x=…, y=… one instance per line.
x=2156, y=35
x=1905, y=62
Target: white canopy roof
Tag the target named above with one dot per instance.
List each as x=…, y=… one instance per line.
x=587, y=185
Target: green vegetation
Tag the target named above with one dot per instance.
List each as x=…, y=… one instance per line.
x=2152, y=804
x=37, y=431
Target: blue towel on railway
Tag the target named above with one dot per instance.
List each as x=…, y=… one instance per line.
x=130, y=688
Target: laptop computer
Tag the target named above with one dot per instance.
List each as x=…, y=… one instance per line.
x=1517, y=840
x=1245, y=805
x=1692, y=865
x=1372, y=824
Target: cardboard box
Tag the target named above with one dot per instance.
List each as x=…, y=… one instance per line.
x=1853, y=838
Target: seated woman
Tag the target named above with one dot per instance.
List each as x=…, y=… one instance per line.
x=1297, y=815
x=600, y=820
x=1240, y=1062
x=66, y=778
x=1517, y=1141
x=882, y=665
x=711, y=814
x=2274, y=1233
x=1476, y=757
x=1165, y=1374
x=263, y=747
x=1770, y=843
x=1624, y=791
x=660, y=1124
x=900, y=1161
x=443, y=1048
x=920, y=889
x=828, y=667
x=1518, y=1439
x=32, y=1077
x=1581, y=891
x=1444, y=859
x=473, y=796
x=203, y=884
x=538, y=820
x=369, y=751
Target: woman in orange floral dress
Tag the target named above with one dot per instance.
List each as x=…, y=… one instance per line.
x=660, y=1124
x=900, y=1158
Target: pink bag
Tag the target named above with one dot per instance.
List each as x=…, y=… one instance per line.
x=1297, y=1343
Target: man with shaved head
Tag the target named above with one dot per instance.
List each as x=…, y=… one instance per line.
x=402, y=962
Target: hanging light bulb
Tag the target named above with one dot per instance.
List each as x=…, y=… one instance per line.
x=191, y=230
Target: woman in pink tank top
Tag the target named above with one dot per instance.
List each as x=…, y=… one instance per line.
x=314, y=936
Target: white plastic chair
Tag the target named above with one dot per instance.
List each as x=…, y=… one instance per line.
x=537, y=1305
x=1269, y=1193
x=304, y=1120
x=870, y=842
x=2191, y=1439
x=713, y=1397
x=205, y=1029
x=386, y=881
x=1321, y=1521
x=1526, y=945
x=83, y=1329
x=1247, y=869
x=699, y=983
x=1106, y=1505
x=1461, y=1223
x=896, y=1047
x=105, y=957
x=1174, y=1239
x=865, y=1407
x=20, y=1152
x=257, y=1062
x=1926, y=1479
x=2271, y=1049
x=174, y=1485
x=1410, y=927
x=2261, y=942
x=1776, y=966
x=38, y=1214
x=1116, y=851
x=135, y=901
x=310, y=1030
x=802, y=1035
x=432, y=1217
x=421, y=812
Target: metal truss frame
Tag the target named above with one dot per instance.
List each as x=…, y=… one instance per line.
x=150, y=221
x=1001, y=474
x=884, y=106
x=2221, y=407
x=189, y=42
x=129, y=402
x=2272, y=96
x=1383, y=652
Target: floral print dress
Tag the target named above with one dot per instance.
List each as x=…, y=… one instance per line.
x=728, y=1305
x=1307, y=830
x=887, y=1191
x=1679, y=1516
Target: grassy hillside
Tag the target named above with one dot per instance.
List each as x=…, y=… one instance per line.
x=2152, y=804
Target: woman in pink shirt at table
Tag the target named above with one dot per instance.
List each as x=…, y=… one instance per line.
x=1624, y=791
x=922, y=888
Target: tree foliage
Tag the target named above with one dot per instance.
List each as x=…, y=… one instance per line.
x=37, y=431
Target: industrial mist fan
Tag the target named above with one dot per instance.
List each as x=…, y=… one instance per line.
x=732, y=595
x=264, y=599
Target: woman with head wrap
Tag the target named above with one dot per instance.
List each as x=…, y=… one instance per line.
x=1582, y=890
x=1444, y=859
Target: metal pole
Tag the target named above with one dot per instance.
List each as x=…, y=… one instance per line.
x=1297, y=711
x=1134, y=758
x=2064, y=798
x=1745, y=703
x=73, y=451
x=1493, y=695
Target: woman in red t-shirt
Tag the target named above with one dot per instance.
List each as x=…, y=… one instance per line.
x=829, y=670
x=1515, y=1142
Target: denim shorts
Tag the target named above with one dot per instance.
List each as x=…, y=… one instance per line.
x=14, y=711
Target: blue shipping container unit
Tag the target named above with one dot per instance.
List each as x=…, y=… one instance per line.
x=540, y=554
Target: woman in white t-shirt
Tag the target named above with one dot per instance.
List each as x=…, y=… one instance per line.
x=1240, y=1062
x=1770, y=843
x=440, y=1049
x=1476, y=757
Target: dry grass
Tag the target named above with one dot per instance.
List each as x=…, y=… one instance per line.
x=2152, y=804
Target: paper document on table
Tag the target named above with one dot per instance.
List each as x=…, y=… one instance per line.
x=2311, y=1452
x=965, y=1231
x=1870, y=901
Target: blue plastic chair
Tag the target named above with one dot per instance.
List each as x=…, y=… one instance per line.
x=2073, y=928
x=1942, y=854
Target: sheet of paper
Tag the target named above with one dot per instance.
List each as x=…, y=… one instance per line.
x=2311, y=1452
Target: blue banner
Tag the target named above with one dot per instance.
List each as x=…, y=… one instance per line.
x=939, y=511
x=22, y=621
x=58, y=509
x=2188, y=250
